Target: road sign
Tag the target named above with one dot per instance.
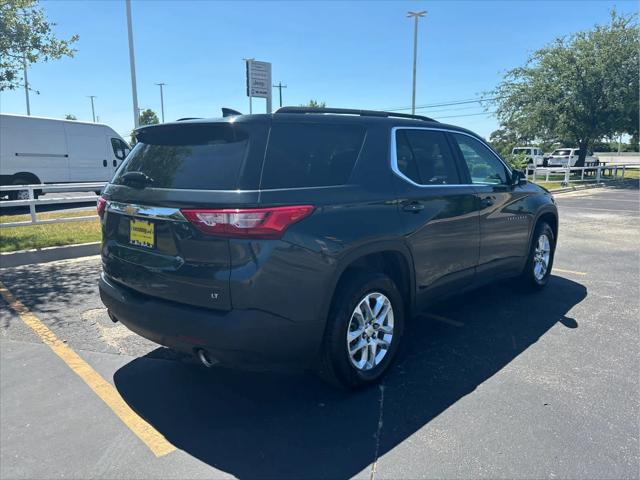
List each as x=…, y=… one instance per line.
x=258, y=79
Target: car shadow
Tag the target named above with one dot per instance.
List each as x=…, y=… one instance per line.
x=277, y=425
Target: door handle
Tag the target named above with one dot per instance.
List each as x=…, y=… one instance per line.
x=104, y=163
x=486, y=201
x=115, y=163
x=414, y=207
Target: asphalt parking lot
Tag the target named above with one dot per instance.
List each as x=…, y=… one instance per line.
x=497, y=384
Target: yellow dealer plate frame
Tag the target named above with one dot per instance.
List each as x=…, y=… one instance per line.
x=142, y=233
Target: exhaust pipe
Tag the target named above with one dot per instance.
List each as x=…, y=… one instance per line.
x=205, y=359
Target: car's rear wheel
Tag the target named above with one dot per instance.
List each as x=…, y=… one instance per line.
x=537, y=271
x=363, y=332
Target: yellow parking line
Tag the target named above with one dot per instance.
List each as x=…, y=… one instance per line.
x=145, y=432
x=438, y=318
x=568, y=271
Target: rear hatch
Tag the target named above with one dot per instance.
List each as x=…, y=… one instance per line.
x=149, y=244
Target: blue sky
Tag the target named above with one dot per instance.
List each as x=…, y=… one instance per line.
x=348, y=54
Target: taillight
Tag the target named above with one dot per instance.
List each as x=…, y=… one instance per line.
x=267, y=223
x=101, y=205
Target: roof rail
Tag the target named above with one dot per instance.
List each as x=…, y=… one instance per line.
x=188, y=118
x=351, y=111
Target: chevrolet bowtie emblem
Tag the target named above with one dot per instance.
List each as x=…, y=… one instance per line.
x=130, y=209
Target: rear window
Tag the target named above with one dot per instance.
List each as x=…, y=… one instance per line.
x=194, y=156
x=563, y=151
x=311, y=155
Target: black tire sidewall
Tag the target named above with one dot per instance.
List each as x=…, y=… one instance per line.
x=353, y=291
x=23, y=181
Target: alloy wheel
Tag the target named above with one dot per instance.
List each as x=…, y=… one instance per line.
x=541, y=256
x=370, y=331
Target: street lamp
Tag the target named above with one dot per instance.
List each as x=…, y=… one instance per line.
x=416, y=16
x=26, y=83
x=161, y=99
x=132, y=65
x=93, y=109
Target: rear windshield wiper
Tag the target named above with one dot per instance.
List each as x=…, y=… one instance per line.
x=136, y=179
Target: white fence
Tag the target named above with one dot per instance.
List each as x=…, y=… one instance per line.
x=32, y=202
x=599, y=173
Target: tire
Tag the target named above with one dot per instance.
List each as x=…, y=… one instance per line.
x=337, y=366
x=535, y=276
x=22, y=194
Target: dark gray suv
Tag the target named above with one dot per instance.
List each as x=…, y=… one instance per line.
x=308, y=237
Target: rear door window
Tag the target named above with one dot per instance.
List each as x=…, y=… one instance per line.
x=311, y=155
x=206, y=156
x=424, y=157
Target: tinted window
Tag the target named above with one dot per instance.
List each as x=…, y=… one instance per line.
x=484, y=166
x=191, y=156
x=424, y=156
x=120, y=149
x=311, y=155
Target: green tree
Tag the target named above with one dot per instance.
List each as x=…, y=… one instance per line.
x=148, y=117
x=26, y=36
x=577, y=90
x=314, y=104
x=503, y=141
x=70, y=116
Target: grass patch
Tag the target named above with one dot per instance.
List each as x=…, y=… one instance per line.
x=51, y=235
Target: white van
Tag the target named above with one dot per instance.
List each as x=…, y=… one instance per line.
x=47, y=150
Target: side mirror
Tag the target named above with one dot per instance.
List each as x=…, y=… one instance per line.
x=517, y=178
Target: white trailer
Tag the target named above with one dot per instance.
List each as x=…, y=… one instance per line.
x=36, y=150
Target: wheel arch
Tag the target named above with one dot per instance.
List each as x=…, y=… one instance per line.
x=32, y=177
x=391, y=258
x=550, y=217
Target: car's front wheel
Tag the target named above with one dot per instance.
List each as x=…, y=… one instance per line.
x=363, y=331
x=537, y=271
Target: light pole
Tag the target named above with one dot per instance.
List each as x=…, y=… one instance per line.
x=161, y=100
x=140, y=110
x=416, y=16
x=132, y=64
x=93, y=110
x=26, y=83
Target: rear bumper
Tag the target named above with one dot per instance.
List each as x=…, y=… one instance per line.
x=556, y=163
x=243, y=338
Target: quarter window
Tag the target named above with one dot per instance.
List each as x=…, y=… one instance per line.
x=484, y=166
x=424, y=156
x=311, y=155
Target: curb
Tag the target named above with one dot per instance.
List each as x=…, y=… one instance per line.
x=48, y=254
x=594, y=185
x=577, y=189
